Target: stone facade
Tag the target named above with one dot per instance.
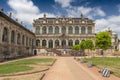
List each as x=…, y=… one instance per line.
x=62, y=32
x=15, y=39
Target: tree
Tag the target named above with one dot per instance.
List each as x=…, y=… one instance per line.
x=89, y=44
x=83, y=46
x=103, y=40
x=76, y=47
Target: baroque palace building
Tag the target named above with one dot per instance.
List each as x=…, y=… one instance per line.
x=62, y=33
x=15, y=39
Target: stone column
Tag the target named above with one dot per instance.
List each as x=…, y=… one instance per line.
x=53, y=43
x=16, y=37
x=66, y=42
x=93, y=29
x=46, y=30
x=79, y=30
x=47, y=43
x=9, y=36
x=74, y=41
x=40, y=43
x=67, y=27
x=86, y=28
x=1, y=33
x=60, y=28
x=73, y=30
x=53, y=30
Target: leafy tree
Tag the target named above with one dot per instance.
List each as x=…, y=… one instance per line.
x=76, y=47
x=89, y=44
x=103, y=40
x=83, y=46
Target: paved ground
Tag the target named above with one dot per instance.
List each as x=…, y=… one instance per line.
x=66, y=68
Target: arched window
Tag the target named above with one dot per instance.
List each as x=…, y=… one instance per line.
x=63, y=30
x=56, y=30
x=76, y=30
x=44, y=30
x=63, y=43
x=76, y=42
x=38, y=30
x=56, y=43
x=30, y=42
x=70, y=43
x=82, y=30
x=18, y=38
x=5, y=35
x=70, y=30
x=37, y=42
x=26, y=41
x=23, y=38
x=43, y=43
x=89, y=30
x=12, y=37
x=50, y=30
x=50, y=44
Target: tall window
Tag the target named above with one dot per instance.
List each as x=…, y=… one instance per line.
x=23, y=38
x=63, y=43
x=37, y=30
x=50, y=44
x=43, y=43
x=37, y=42
x=56, y=43
x=5, y=35
x=44, y=30
x=70, y=30
x=89, y=30
x=12, y=37
x=26, y=41
x=76, y=42
x=18, y=38
x=56, y=30
x=50, y=30
x=70, y=43
x=63, y=30
x=82, y=30
x=76, y=30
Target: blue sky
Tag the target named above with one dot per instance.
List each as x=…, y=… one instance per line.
x=105, y=13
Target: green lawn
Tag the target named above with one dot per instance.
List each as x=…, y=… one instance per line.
x=22, y=65
x=111, y=63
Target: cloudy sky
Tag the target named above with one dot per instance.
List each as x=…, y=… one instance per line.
x=105, y=13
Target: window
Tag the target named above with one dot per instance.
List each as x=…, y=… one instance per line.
x=12, y=37
x=70, y=30
x=18, y=38
x=63, y=43
x=43, y=43
x=50, y=44
x=76, y=42
x=44, y=30
x=56, y=30
x=23, y=38
x=50, y=30
x=37, y=43
x=89, y=30
x=63, y=30
x=56, y=43
x=70, y=43
x=82, y=30
x=37, y=30
x=76, y=30
x=5, y=35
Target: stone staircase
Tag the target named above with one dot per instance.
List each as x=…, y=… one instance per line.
x=55, y=51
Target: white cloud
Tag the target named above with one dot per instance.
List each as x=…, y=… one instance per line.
x=64, y=3
x=26, y=11
x=87, y=11
x=112, y=22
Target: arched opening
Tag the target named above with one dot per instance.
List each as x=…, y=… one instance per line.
x=50, y=30
x=56, y=43
x=18, y=38
x=37, y=30
x=89, y=30
x=23, y=38
x=70, y=30
x=44, y=30
x=63, y=43
x=76, y=42
x=56, y=30
x=12, y=37
x=63, y=30
x=50, y=44
x=82, y=30
x=26, y=41
x=43, y=43
x=76, y=30
x=5, y=35
x=70, y=43
x=37, y=42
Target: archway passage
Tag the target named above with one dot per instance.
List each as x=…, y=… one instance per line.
x=56, y=43
x=63, y=43
x=76, y=42
x=50, y=44
x=43, y=43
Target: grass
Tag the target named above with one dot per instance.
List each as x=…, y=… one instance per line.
x=22, y=65
x=111, y=63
